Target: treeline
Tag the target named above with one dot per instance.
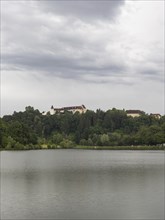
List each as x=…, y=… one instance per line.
x=30, y=129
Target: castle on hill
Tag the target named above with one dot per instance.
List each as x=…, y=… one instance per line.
x=82, y=109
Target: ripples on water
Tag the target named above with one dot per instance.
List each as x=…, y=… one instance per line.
x=82, y=184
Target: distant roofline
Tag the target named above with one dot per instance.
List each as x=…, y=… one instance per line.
x=134, y=111
x=70, y=107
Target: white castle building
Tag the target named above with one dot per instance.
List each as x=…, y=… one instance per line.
x=81, y=109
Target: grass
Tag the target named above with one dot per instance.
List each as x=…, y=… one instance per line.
x=139, y=147
x=145, y=147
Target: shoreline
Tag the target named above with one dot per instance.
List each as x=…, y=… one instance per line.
x=80, y=147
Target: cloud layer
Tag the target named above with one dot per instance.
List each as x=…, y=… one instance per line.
x=96, y=43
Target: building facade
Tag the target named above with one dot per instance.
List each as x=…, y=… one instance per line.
x=134, y=113
x=81, y=109
x=157, y=115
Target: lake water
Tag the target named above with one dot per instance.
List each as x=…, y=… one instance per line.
x=82, y=184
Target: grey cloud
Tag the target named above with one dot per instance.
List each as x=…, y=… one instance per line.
x=61, y=66
x=37, y=41
x=152, y=74
x=50, y=47
x=84, y=10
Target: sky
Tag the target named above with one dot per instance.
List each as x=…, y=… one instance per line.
x=103, y=54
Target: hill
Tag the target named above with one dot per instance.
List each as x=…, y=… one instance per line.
x=31, y=129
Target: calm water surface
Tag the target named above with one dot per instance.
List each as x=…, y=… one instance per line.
x=82, y=184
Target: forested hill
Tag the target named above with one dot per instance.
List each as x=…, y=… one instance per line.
x=30, y=129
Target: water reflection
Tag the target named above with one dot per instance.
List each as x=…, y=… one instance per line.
x=74, y=184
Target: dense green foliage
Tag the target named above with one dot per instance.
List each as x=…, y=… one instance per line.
x=30, y=129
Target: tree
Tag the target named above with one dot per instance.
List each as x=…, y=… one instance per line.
x=57, y=138
x=113, y=127
x=104, y=139
x=3, y=134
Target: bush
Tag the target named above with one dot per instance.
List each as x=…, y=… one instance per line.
x=67, y=144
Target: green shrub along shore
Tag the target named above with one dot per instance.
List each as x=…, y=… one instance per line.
x=79, y=147
x=108, y=130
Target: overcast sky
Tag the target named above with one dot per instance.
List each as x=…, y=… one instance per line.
x=102, y=54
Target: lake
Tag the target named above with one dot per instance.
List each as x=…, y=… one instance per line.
x=82, y=184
